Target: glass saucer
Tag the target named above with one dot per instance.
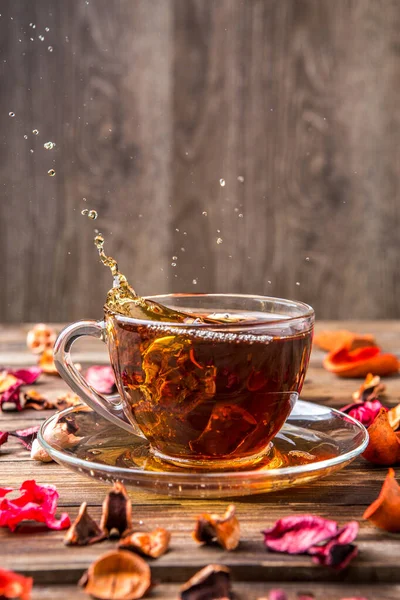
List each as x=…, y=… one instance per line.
x=314, y=442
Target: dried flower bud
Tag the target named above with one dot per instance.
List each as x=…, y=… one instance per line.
x=152, y=544
x=40, y=338
x=225, y=530
x=116, y=519
x=211, y=582
x=119, y=575
x=38, y=453
x=84, y=530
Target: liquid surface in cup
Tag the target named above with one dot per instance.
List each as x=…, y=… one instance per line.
x=202, y=394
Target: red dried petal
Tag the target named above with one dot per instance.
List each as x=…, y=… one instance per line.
x=3, y=437
x=11, y=397
x=26, y=436
x=339, y=551
x=13, y=585
x=101, y=378
x=28, y=376
x=37, y=503
x=365, y=412
x=296, y=534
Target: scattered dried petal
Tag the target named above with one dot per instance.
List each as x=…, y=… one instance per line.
x=28, y=375
x=34, y=399
x=384, y=444
x=152, y=544
x=277, y=595
x=101, y=378
x=340, y=550
x=11, y=382
x=117, y=575
x=370, y=389
x=116, y=519
x=46, y=362
x=10, y=398
x=394, y=417
x=3, y=437
x=26, y=436
x=296, y=534
x=214, y=581
x=305, y=596
x=40, y=338
x=384, y=512
x=13, y=585
x=6, y=380
x=67, y=400
x=84, y=530
x=37, y=503
x=358, y=363
x=365, y=412
x=332, y=340
x=225, y=530
x=38, y=453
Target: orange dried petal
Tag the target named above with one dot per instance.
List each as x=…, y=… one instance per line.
x=369, y=389
x=384, y=444
x=40, y=338
x=332, y=340
x=46, y=363
x=358, y=363
x=394, y=417
x=385, y=511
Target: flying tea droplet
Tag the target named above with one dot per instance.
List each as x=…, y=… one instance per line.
x=35, y=131
x=92, y=214
x=297, y=282
x=240, y=215
x=219, y=240
x=204, y=213
x=49, y=145
x=174, y=258
x=25, y=137
x=85, y=212
x=11, y=114
x=50, y=48
x=222, y=182
x=194, y=281
x=51, y=172
x=240, y=178
x=47, y=29
x=307, y=258
x=173, y=264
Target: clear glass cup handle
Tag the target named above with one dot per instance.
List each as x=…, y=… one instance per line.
x=110, y=408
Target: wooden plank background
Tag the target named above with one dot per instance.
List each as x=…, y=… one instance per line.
x=152, y=102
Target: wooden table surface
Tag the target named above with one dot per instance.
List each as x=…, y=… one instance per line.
x=343, y=496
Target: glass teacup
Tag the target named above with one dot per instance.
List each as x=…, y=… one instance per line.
x=204, y=395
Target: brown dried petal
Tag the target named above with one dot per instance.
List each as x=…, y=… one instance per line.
x=84, y=530
x=117, y=575
x=116, y=519
x=370, y=388
x=34, y=399
x=152, y=544
x=211, y=582
x=225, y=530
x=394, y=417
x=67, y=400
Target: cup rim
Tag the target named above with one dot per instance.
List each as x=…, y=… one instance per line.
x=308, y=312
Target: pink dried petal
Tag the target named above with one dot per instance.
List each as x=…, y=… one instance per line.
x=339, y=551
x=28, y=376
x=296, y=534
x=26, y=436
x=356, y=598
x=365, y=412
x=37, y=503
x=277, y=595
x=305, y=596
x=101, y=378
x=3, y=437
x=11, y=397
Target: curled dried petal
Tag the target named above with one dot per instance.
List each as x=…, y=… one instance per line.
x=384, y=444
x=40, y=338
x=358, y=363
x=116, y=519
x=47, y=364
x=214, y=581
x=117, y=575
x=225, y=530
x=10, y=399
x=13, y=585
x=28, y=375
x=394, y=417
x=332, y=340
x=384, y=512
x=152, y=544
x=38, y=453
x=26, y=436
x=67, y=400
x=340, y=550
x=3, y=437
x=34, y=399
x=296, y=534
x=101, y=378
x=84, y=530
x=365, y=412
x=371, y=388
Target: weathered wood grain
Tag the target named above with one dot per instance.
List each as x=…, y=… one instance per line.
x=152, y=102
